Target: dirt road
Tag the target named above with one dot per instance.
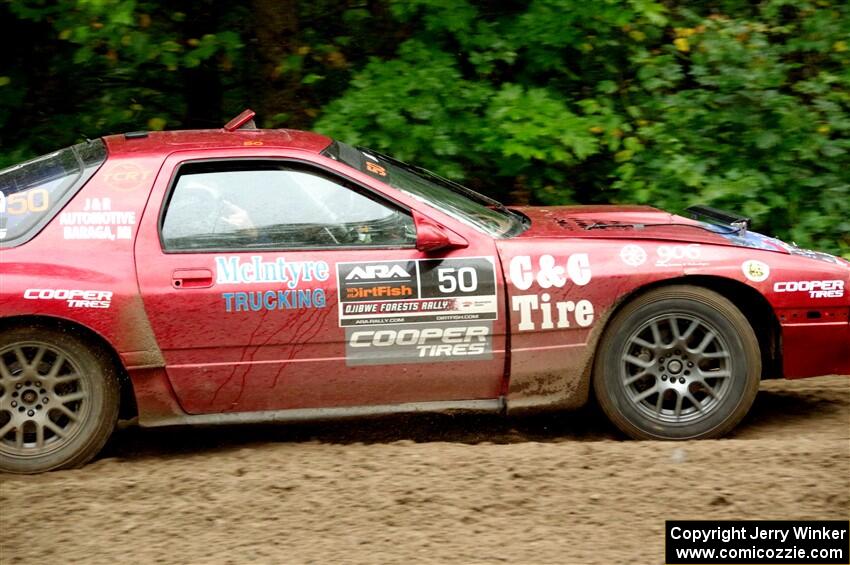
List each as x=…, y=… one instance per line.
x=430, y=489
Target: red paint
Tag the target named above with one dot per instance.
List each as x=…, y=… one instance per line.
x=167, y=317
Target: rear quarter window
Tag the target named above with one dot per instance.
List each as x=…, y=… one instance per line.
x=31, y=193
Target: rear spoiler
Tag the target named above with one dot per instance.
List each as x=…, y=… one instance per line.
x=719, y=217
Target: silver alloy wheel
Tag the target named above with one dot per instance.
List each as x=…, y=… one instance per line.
x=44, y=399
x=676, y=368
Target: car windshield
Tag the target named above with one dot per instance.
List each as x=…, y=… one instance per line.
x=457, y=201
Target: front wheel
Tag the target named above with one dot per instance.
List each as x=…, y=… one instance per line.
x=679, y=362
x=58, y=400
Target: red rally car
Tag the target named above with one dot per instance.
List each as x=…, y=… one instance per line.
x=245, y=275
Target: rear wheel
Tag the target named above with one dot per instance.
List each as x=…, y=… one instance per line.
x=679, y=362
x=58, y=400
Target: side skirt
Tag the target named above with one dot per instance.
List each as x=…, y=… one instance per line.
x=490, y=406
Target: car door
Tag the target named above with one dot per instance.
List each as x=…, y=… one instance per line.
x=276, y=284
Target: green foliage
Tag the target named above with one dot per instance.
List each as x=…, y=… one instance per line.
x=730, y=103
x=744, y=107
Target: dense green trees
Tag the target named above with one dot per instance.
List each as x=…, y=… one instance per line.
x=731, y=103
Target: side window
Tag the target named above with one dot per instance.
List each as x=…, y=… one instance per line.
x=31, y=193
x=247, y=205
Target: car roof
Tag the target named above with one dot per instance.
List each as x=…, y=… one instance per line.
x=164, y=142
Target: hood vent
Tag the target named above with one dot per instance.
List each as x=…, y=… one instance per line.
x=587, y=223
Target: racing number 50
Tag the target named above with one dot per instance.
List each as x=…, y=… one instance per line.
x=451, y=279
x=35, y=200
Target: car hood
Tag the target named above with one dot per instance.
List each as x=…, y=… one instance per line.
x=646, y=222
x=619, y=222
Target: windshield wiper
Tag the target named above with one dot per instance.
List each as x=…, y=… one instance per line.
x=601, y=226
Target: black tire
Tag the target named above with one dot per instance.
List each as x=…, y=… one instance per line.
x=59, y=399
x=676, y=363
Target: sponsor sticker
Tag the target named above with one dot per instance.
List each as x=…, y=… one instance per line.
x=539, y=310
x=233, y=270
x=633, y=255
x=97, y=220
x=125, y=177
x=666, y=255
x=550, y=272
x=425, y=290
x=680, y=256
x=273, y=300
x=291, y=276
x=74, y=298
x=534, y=309
x=388, y=280
x=376, y=168
x=815, y=289
x=418, y=343
x=755, y=270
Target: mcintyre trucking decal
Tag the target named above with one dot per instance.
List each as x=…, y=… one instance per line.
x=291, y=276
x=538, y=310
x=425, y=290
x=418, y=343
x=97, y=220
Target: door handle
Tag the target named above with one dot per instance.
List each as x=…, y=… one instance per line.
x=192, y=278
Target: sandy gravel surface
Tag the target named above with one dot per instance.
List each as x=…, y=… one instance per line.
x=430, y=489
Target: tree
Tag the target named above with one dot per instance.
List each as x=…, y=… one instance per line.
x=730, y=103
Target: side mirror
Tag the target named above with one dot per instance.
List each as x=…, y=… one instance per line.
x=431, y=236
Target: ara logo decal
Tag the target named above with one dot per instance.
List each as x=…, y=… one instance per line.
x=380, y=271
x=756, y=271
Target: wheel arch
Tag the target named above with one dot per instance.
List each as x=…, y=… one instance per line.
x=749, y=301
x=128, y=408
